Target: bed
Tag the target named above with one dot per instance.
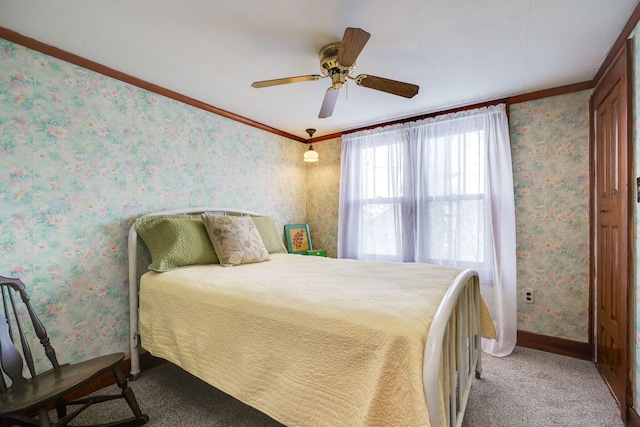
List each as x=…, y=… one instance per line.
x=310, y=341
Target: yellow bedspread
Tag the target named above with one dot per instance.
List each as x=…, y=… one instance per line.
x=310, y=341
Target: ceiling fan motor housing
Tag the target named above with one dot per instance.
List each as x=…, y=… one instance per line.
x=330, y=66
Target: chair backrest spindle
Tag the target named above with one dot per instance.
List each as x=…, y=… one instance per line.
x=10, y=357
x=26, y=349
x=5, y=306
x=3, y=383
x=39, y=328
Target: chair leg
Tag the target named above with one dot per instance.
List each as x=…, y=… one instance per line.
x=61, y=407
x=128, y=393
x=44, y=417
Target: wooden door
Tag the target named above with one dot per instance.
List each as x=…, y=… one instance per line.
x=610, y=231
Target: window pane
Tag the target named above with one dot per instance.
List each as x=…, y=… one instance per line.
x=456, y=230
x=380, y=233
x=472, y=163
x=383, y=171
x=456, y=164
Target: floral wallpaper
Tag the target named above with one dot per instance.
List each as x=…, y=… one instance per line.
x=323, y=189
x=82, y=155
x=550, y=155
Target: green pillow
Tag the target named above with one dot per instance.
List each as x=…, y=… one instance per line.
x=270, y=236
x=175, y=241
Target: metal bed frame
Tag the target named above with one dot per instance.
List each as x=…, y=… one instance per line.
x=453, y=354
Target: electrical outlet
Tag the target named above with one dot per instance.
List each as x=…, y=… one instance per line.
x=528, y=296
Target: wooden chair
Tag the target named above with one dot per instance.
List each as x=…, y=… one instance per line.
x=25, y=401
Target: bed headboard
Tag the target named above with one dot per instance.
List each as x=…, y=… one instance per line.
x=133, y=243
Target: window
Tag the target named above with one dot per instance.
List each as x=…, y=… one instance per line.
x=383, y=197
x=439, y=191
x=449, y=196
x=455, y=199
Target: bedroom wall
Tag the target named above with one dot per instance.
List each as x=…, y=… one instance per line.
x=82, y=155
x=550, y=155
x=323, y=195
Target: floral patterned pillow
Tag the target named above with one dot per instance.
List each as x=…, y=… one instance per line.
x=235, y=239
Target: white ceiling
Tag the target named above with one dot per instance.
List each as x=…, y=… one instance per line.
x=459, y=52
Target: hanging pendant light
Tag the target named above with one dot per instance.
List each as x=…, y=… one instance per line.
x=311, y=155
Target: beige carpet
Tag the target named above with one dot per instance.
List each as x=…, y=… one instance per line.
x=529, y=388
x=535, y=388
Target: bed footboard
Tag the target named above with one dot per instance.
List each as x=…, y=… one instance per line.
x=453, y=354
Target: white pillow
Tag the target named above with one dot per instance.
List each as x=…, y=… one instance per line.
x=235, y=239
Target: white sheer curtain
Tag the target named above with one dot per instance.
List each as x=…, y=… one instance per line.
x=439, y=191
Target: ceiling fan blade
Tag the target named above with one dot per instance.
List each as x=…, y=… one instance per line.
x=353, y=42
x=274, y=82
x=393, y=87
x=329, y=103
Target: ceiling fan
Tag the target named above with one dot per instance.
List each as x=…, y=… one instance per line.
x=338, y=60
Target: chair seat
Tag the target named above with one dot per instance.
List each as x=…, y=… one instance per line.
x=56, y=383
